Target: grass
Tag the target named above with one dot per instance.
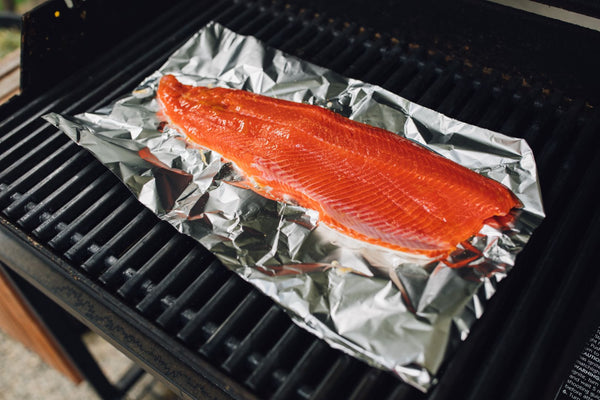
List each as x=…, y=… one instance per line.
x=10, y=39
x=18, y=4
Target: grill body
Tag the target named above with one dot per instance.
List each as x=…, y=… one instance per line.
x=71, y=229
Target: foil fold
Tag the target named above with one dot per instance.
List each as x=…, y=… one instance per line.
x=400, y=312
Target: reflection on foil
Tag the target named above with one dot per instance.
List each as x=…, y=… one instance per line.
x=400, y=312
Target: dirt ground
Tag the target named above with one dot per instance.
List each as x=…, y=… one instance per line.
x=24, y=376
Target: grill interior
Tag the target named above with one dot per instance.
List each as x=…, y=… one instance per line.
x=57, y=195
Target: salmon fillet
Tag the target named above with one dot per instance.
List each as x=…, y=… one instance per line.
x=366, y=182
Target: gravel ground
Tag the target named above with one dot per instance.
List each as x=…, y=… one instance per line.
x=24, y=376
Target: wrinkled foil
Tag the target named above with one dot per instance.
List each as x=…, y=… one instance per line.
x=396, y=311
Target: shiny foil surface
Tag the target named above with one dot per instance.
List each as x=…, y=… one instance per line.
x=396, y=311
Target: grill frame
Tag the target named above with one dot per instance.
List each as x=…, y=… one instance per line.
x=105, y=315
x=105, y=300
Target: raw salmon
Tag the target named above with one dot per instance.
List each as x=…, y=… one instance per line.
x=366, y=182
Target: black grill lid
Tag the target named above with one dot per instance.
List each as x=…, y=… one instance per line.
x=73, y=230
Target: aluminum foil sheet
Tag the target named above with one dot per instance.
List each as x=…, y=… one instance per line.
x=396, y=311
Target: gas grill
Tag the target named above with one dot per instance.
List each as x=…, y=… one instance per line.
x=69, y=230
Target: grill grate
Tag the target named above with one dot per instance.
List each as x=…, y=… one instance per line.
x=62, y=198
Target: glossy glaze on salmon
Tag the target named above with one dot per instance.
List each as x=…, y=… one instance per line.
x=364, y=181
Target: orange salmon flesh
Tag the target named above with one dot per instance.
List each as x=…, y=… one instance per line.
x=365, y=182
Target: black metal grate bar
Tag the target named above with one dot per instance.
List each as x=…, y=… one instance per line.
x=124, y=266
x=199, y=291
x=271, y=325
x=119, y=243
x=563, y=305
x=54, y=222
x=438, y=91
x=203, y=322
x=381, y=71
x=39, y=210
x=517, y=120
x=16, y=162
x=42, y=188
x=85, y=244
x=224, y=339
x=565, y=180
x=173, y=282
x=543, y=119
x=456, y=98
x=311, y=361
x=268, y=373
x=534, y=307
x=342, y=379
x=170, y=253
x=366, y=386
